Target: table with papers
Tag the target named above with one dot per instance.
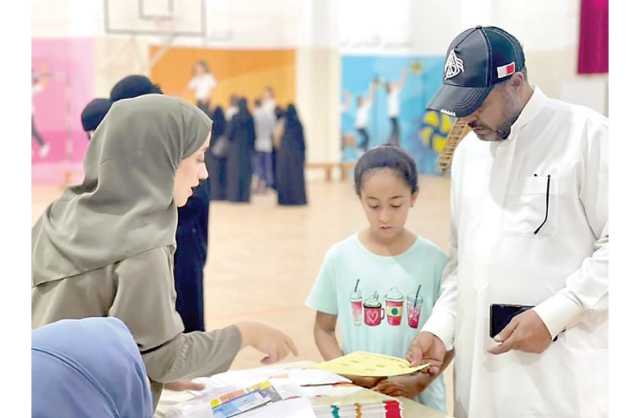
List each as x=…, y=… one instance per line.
x=300, y=385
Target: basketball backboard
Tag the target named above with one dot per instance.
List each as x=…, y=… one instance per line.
x=156, y=17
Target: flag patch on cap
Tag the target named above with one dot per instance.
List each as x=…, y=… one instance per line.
x=506, y=70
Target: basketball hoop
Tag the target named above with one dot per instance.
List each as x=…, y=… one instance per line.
x=122, y=17
x=163, y=21
x=165, y=25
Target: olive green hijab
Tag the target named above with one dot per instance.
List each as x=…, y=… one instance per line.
x=125, y=204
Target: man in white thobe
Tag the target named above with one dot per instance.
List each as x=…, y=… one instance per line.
x=529, y=212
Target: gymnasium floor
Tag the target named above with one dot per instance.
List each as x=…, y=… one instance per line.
x=263, y=259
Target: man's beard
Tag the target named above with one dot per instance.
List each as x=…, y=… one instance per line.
x=502, y=132
x=486, y=133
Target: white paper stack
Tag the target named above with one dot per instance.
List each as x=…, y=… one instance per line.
x=292, y=384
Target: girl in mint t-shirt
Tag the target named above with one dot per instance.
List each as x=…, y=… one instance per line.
x=380, y=284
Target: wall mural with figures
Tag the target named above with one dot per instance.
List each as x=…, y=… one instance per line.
x=383, y=100
x=62, y=83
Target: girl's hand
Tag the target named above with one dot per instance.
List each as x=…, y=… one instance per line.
x=270, y=341
x=408, y=386
x=365, y=381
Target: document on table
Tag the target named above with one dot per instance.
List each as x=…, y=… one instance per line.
x=290, y=408
x=315, y=377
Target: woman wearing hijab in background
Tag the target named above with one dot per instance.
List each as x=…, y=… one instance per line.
x=93, y=113
x=291, y=159
x=126, y=88
x=105, y=247
x=133, y=86
x=88, y=368
x=192, y=234
x=217, y=163
x=242, y=136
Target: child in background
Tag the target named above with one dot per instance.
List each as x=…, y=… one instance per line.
x=380, y=284
x=202, y=85
x=363, y=110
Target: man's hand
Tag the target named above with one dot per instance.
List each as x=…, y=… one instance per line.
x=526, y=332
x=427, y=348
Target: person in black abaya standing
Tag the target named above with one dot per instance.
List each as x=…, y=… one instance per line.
x=241, y=134
x=277, y=136
x=217, y=156
x=192, y=237
x=290, y=161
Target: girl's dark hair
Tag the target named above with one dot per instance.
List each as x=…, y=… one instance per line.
x=387, y=156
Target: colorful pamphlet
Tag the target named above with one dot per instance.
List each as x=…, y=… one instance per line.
x=244, y=403
x=234, y=403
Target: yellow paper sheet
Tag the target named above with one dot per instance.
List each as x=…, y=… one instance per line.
x=361, y=363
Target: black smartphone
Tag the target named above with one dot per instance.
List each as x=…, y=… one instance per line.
x=500, y=315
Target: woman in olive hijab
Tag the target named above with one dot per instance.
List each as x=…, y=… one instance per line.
x=105, y=248
x=192, y=234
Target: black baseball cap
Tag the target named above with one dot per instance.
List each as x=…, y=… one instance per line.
x=476, y=60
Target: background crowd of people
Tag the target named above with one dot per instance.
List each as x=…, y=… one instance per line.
x=253, y=150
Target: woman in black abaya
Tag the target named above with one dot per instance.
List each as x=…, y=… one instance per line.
x=217, y=164
x=290, y=161
x=242, y=136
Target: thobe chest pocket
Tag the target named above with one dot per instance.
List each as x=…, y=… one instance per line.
x=531, y=206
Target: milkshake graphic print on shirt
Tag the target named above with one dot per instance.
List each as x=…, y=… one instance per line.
x=390, y=310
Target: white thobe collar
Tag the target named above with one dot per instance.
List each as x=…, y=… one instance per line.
x=536, y=103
